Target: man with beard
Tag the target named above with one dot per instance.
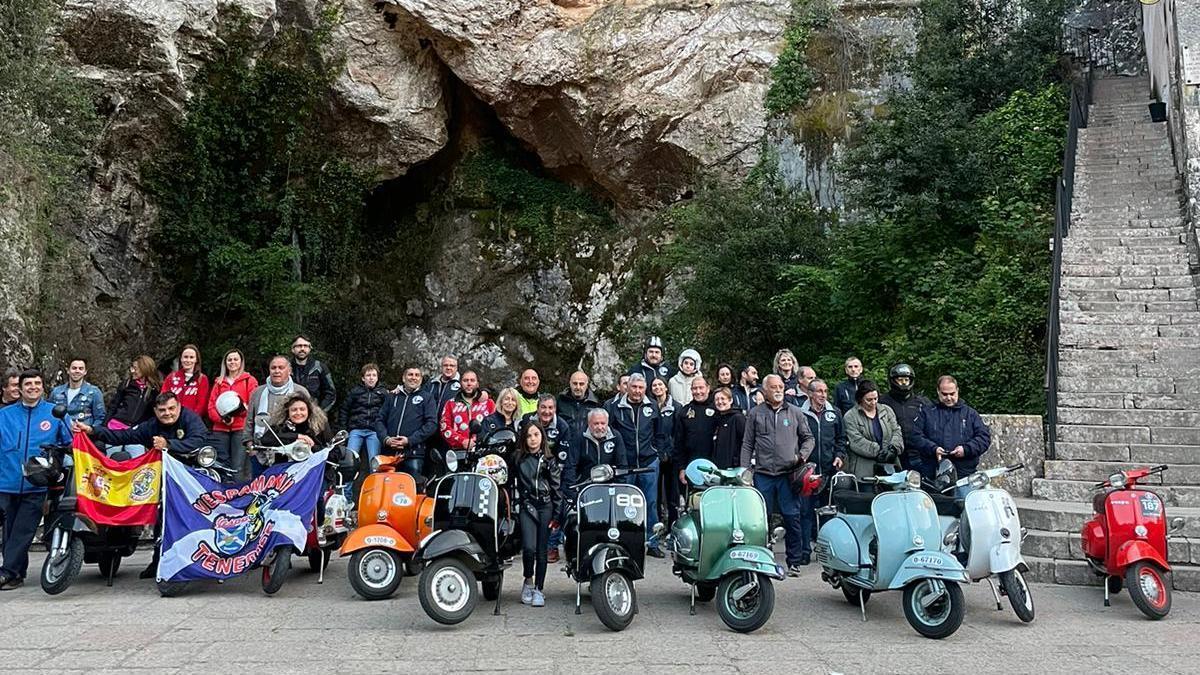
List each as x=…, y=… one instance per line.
x=458, y=413
x=653, y=362
x=747, y=393
x=312, y=374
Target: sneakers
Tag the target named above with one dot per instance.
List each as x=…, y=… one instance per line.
x=552, y=555
x=527, y=594
x=794, y=570
x=10, y=584
x=539, y=598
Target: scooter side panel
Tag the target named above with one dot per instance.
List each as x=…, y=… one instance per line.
x=838, y=546
x=906, y=522
x=724, y=509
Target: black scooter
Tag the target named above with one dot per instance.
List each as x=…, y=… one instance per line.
x=475, y=531
x=606, y=544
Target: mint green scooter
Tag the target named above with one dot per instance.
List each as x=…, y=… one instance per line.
x=720, y=546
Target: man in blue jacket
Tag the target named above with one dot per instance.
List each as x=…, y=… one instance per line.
x=406, y=422
x=24, y=427
x=950, y=428
x=173, y=428
x=84, y=400
x=635, y=418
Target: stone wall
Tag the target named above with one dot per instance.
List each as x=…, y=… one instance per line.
x=1016, y=439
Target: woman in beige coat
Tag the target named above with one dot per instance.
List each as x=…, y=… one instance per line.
x=872, y=433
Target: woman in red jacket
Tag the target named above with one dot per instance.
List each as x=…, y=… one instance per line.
x=230, y=432
x=189, y=384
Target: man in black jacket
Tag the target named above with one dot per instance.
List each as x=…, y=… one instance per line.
x=907, y=404
x=653, y=362
x=575, y=403
x=173, y=428
x=407, y=421
x=843, y=397
x=635, y=417
x=694, y=428
x=829, y=452
x=312, y=374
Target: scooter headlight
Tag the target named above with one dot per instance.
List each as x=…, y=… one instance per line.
x=979, y=480
x=739, y=537
x=375, y=462
x=913, y=479
x=301, y=452
x=1117, y=480
x=745, y=478
x=206, y=456
x=601, y=473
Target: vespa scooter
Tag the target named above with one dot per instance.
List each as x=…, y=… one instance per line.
x=606, y=544
x=720, y=546
x=892, y=541
x=475, y=531
x=332, y=524
x=1126, y=541
x=989, y=536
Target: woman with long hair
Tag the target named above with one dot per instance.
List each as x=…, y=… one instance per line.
x=507, y=415
x=189, y=383
x=229, y=428
x=133, y=402
x=538, y=476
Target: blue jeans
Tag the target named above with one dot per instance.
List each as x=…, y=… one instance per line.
x=777, y=493
x=357, y=437
x=648, y=484
x=22, y=513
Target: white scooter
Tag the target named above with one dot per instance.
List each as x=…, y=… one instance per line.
x=989, y=536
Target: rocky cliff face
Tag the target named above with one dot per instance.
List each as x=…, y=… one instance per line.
x=631, y=99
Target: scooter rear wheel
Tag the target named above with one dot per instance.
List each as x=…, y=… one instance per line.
x=1149, y=588
x=1013, y=583
x=614, y=599
x=941, y=617
x=751, y=611
x=58, y=571
x=375, y=573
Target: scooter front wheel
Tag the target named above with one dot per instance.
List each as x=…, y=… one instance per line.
x=745, y=601
x=375, y=573
x=447, y=591
x=1013, y=583
x=614, y=599
x=934, y=608
x=59, y=570
x=1149, y=588
x=274, y=571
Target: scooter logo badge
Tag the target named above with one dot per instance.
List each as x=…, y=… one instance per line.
x=401, y=499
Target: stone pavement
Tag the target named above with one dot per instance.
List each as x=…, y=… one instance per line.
x=310, y=628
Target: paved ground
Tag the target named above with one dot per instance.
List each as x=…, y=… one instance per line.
x=310, y=628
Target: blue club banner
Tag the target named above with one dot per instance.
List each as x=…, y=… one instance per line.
x=217, y=531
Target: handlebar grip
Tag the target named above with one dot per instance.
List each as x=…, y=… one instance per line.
x=1016, y=467
x=642, y=470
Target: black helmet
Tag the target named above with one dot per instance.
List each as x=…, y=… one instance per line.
x=902, y=370
x=42, y=471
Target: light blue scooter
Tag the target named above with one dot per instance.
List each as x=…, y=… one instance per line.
x=888, y=542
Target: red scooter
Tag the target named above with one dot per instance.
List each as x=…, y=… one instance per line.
x=1126, y=541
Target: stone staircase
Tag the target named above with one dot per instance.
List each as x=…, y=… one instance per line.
x=1129, y=345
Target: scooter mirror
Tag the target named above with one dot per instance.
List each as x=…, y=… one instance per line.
x=341, y=437
x=451, y=460
x=59, y=411
x=659, y=528
x=777, y=534
x=1176, y=524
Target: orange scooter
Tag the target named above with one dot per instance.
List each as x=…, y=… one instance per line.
x=392, y=519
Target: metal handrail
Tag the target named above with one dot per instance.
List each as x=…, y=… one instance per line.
x=1064, y=194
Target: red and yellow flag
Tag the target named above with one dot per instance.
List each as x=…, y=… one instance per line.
x=112, y=492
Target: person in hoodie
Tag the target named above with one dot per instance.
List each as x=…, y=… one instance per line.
x=24, y=427
x=467, y=405
x=188, y=382
x=668, y=409
x=635, y=418
x=950, y=428
x=84, y=400
x=694, y=429
x=843, y=395
x=680, y=384
x=729, y=430
x=230, y=434
x=538, y=477
x=576, y=401
x=407, y=420
x=359, y=412
x=653, y=362
x=599, y=444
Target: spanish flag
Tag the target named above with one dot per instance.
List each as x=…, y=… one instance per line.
x=116, y=493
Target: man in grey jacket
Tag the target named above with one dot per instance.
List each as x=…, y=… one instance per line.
x=777, y=440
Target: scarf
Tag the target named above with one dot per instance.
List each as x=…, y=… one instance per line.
x=264, y=403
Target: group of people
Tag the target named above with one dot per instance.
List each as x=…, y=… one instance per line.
x=661, y=417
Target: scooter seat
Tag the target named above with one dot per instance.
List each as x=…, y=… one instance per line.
x=947, y=505
x=853, y=502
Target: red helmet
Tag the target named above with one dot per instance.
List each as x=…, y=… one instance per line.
x=807, y=480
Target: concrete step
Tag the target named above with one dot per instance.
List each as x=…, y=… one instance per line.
x=1099, y=269
x=1125, y=417
x=1093, y=471
x=1069, y=546
x=1182, y=308
x=1090, y=400
x=1133, y=435
x=1126, y=317
x=1078, y=573
x=1057, y=489
x=1126, y=452
x=1058, y=515
x=1117, y=342
x=1127, y=282
x=1131, y=356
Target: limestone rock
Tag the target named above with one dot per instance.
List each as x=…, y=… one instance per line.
x=633, y=97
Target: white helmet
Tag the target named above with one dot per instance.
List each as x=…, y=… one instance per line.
x=229, y=404
x=494, y=466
